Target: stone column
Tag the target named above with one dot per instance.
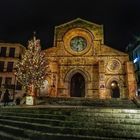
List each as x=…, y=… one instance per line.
x=131, y=80
x=54, y=78
x=102, y=93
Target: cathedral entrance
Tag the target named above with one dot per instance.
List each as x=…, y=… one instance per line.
x=77, y=88
x=115, y=90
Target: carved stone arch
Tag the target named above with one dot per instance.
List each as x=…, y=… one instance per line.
x=71, y=73
x=78, y=30
x=120, y=85
x=119, y=81
x=82, y=32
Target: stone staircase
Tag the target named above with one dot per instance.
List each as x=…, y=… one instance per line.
x=75, y=101
x=69, y=123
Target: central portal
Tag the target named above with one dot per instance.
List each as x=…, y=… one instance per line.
x=77, y=88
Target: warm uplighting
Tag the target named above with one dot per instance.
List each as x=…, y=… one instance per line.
x=114, y=84
x=44, y=88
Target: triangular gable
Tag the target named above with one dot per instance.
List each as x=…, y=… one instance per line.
x=96, y=29
x=106, y=50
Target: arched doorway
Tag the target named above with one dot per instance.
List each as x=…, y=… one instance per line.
x=77, y=87
x=115, y=90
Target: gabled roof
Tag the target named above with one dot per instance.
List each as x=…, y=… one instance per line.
x=78, y=20
x=95, y=29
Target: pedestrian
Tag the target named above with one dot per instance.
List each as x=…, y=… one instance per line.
x=6, y=97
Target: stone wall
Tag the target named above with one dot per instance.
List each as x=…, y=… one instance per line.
x=99, y=64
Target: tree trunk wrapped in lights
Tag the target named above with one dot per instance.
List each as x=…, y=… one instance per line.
x=32, y=68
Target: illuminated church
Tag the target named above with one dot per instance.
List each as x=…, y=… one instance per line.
x=81, y=65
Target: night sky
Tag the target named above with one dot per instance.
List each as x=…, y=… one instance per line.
x=20, y=18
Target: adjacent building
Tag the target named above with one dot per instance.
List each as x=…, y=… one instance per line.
x=10, y=53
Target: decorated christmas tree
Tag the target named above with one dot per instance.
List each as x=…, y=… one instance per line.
x=32, y=68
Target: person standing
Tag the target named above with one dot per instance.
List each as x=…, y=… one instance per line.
x=6, y=97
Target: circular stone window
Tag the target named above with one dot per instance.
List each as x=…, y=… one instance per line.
x=78, y=43
x=114, y=65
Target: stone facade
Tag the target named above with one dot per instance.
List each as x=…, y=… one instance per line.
x=90, y=69
x=10, y=53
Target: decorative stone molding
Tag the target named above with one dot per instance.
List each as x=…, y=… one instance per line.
x=78, y=32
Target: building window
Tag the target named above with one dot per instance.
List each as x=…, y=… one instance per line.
x=12, y=52
x=8, y=81
x=0, y=81
x=1, y=66
x=10, y=66
x=3, y=51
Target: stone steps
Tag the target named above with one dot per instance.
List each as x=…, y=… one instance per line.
x=78, y=114
x=7, y=131
x=67, y=110
x=72, y=121
x=28, y=134
x=75, y=101
x=48, y=116
x=93, y=124
x=7, y=136
x=69, y=123
x=96, y=131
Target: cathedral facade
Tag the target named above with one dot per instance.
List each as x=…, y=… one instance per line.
x=81, y=65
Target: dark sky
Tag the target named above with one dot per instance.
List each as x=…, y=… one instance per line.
x=19, y=18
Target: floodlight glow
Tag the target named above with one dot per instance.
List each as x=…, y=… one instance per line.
x=135, y=60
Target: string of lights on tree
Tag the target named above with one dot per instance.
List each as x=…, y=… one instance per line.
x=32, y=68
